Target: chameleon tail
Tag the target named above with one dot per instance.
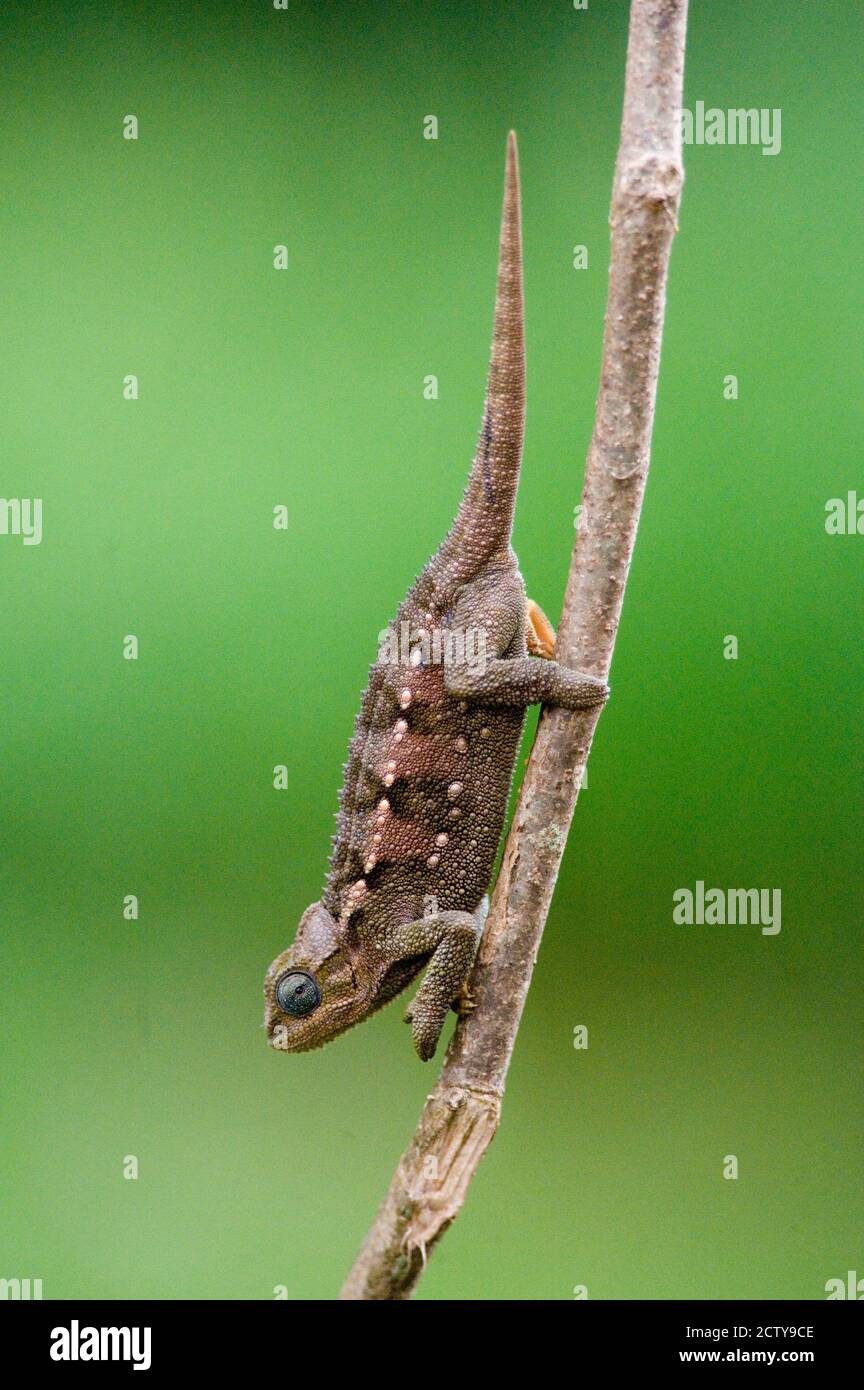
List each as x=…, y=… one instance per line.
x=485, y=517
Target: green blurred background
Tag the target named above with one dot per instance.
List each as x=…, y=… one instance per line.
x=304, y=387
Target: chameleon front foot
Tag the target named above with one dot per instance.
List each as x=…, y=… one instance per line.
x=427, y=1020
x=451, y=938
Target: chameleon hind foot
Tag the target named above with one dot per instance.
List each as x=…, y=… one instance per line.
x=539, y=632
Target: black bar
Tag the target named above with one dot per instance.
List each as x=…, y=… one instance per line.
x=270, y=1339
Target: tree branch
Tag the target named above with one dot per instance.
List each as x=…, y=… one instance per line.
x=461, y=1115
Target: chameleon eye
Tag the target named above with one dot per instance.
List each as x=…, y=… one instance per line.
x=298, y=994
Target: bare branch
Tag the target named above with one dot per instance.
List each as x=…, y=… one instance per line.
x=461, y=1115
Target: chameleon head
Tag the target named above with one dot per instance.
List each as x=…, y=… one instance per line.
x=310, y=991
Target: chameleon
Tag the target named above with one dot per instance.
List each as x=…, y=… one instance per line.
x=434, y=748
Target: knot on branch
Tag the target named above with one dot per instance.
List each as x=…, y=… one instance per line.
x=651, y=182
x=622, y=461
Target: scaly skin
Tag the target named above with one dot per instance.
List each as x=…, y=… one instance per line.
x=434, y=747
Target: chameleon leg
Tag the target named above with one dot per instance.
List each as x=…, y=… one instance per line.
x=498, y=608
x=450, y=940
x=521, y=680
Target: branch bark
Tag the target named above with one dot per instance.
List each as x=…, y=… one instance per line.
x=461, y=1116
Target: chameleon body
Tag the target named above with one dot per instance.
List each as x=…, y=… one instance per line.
x=434, y=747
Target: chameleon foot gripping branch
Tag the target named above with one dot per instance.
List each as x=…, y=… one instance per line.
x=435, y=743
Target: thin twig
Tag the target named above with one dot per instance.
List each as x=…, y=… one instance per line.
x=461, y=1115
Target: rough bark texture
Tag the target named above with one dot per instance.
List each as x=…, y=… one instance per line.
x=461, y=1115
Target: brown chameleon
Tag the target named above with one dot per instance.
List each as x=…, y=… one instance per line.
x=435, y=743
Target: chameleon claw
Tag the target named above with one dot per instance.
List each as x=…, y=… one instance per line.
x=464, y=1003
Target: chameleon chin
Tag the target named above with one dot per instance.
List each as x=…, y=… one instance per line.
x=435, y=743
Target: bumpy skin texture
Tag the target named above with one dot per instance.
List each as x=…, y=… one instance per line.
x=435, y=743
